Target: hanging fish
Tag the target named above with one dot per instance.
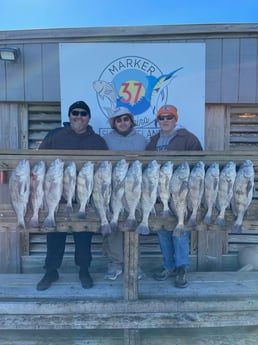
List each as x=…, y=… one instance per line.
x=150, y=180
x=242, y=193
x=102, y=193
x=19, y=187
x=69, y=186
x=195, y=191
x=118, y=189
x=164, y=190
x=133, y=189
x=84, y=187
x=225, y=191
x=179, y=191
x=53, y=189
x=37, y=178
x=211, y=186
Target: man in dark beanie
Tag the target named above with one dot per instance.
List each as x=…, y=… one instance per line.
x=75, y=135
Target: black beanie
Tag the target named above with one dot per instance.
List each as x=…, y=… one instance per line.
x=81, y=105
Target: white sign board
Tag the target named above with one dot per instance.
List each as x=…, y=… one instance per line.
x=139, y=76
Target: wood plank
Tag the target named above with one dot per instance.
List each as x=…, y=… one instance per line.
x=230, y=71
x=248, y=64
x=214, y=299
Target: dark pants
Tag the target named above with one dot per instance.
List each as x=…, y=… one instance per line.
x=56, y=247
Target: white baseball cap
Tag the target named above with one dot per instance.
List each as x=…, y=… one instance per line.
x=120, y=111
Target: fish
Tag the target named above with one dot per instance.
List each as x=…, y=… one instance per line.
x=150, y=181
x=84, y=189
x=225, y=191
x=19, y=187
x=195, y=191
x=243, y=190
x=102, y=193
x=132, y=195
x=118, y=189
x=179, y=191
x=53, y=189
x=106, y=89
x=69, y=185
x=37, y=178
x=211, y=186
x=165, y=175
x=155, y=92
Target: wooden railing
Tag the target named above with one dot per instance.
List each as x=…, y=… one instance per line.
x=201, y=239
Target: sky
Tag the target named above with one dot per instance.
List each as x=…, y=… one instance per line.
x=45, y=14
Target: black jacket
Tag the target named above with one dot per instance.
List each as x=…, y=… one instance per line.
x=64, y=138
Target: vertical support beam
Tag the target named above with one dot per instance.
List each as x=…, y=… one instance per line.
x=131, y=252
x=10, y=250
x=210, y=248
x=131, y=337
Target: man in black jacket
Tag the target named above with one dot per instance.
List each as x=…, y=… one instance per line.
x=75, y=135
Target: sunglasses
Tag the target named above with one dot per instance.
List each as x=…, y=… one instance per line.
x=83, y=113
x=123, y=119
x=168, y=117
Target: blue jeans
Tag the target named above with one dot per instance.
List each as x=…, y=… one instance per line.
x=175, y=250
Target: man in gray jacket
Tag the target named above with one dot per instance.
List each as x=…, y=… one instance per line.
x=123, y=136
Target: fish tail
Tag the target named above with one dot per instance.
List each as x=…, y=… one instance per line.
x=192, y=222
x=166, y=214
x=49, y=222
x=207, y=219
x=68, y=209
x=81, y=215
x=236, y=228
x=34, y=222
x=178, y=231
x=105, y=229
x=142, y=229
x=20, y=227
x=220, y=221
x=130, y=223
x=114, y=226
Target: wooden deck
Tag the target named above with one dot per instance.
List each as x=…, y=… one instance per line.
x=213, y=299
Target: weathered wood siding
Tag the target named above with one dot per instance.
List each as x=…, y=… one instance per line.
x=231, y=58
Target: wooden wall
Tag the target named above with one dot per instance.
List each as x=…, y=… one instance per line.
x=231, y=58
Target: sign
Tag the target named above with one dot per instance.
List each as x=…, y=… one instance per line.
x=139, y=76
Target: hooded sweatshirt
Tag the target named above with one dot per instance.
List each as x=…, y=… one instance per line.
x=180, y=139
x=64, y=138
x=132, y=141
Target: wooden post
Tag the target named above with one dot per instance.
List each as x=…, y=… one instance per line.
x=131, y=252
x=211, y=242
x=10, y=250
x=131, y=337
